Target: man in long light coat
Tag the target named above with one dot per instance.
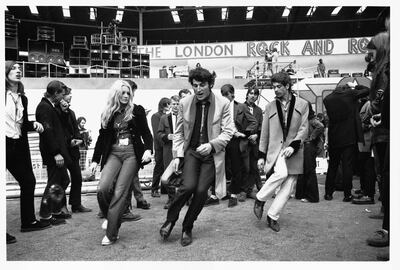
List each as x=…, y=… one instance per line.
x=284, y=128
x=203, y=129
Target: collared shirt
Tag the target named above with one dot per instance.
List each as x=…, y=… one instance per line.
x=174, y=118
x=200, y=135
x=14, y=115
x=285, y=107
x=250, y=106
x=232, y=110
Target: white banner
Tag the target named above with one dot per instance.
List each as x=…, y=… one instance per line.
x=257, y=48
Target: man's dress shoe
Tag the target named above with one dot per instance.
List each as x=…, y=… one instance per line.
x=186, y=238
x=166, y=229
x=273, y=224
x=258, y=208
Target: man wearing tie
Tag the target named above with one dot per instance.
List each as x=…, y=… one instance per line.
x=166, y=130
x=204, y=127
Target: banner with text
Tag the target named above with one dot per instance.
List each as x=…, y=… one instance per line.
x=257, y=48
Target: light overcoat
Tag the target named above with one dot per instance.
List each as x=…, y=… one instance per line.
x=272, y=139
x=219, y=127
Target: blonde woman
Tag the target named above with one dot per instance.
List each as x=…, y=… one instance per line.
x=121, y=151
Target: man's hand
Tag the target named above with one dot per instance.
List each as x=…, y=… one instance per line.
x=253, y=138
x=38, y=127
x=93, y=168
x=239, y=135
x=146, y=156
x=288, y=151
x=204, y=149
x=170, y=136
x=260, y=164
x=59, y=160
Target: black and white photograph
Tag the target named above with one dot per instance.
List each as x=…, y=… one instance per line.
x=243, y=134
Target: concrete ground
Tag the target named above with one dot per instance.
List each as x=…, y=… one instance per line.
x=324, y=231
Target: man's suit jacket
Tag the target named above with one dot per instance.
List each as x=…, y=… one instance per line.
x=155, y=121
x=272, y=139
x=344, y=126
x=52, y=140
x=71, y=131
x=219, y=128
x=164, y=128
x=245, y=123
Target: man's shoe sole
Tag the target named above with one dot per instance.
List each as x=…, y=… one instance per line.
x=36, y=228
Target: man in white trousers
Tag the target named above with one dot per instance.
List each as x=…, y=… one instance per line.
x=284, y=128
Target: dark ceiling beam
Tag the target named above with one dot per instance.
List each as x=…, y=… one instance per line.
x=142, y=9
x=74, y=24
x=259, y=24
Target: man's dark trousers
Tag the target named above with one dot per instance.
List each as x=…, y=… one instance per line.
x=76, y=183
x=158, y=169
x=346, y=154
x=198, y=175
x=59, y=176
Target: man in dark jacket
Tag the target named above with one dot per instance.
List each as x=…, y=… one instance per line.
x=53, y=148
x=344, y=132
x=237, y=151
x=74, y=140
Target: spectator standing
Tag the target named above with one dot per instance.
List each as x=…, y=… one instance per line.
x=74, y=140
x=344, y=132
x=163, y=108
x=54, y=151
x=307, y=185
x=18, y=156
x=321, y=68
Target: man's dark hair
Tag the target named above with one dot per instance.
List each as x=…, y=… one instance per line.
x=255, y=89
x=202, y=75
x=227, y=88
x=164, y=102
x=55, y=87
x=282, y=78
x=184, y=91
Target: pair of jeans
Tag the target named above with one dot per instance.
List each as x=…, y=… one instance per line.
x=198, y=174
x=115, y=181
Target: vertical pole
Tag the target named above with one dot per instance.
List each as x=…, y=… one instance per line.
x=140, y=27
x=233, y=72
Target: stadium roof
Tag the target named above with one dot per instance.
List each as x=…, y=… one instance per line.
x=266, y=23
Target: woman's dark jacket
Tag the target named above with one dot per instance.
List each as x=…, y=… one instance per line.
x=139, y=130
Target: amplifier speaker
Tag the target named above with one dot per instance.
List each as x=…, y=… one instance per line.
x=44, y=51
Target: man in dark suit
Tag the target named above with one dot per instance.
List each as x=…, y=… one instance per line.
x=165, y=132
x=254, y=140
x=163, y=108
x=344, y=132
x=53, y=148
x=203, y=129
x=74, y=139
x=237, y=150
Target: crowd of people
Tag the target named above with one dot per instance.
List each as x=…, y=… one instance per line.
x=217, y=147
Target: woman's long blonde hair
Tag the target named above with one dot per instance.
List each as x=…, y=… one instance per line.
x=114, y=105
